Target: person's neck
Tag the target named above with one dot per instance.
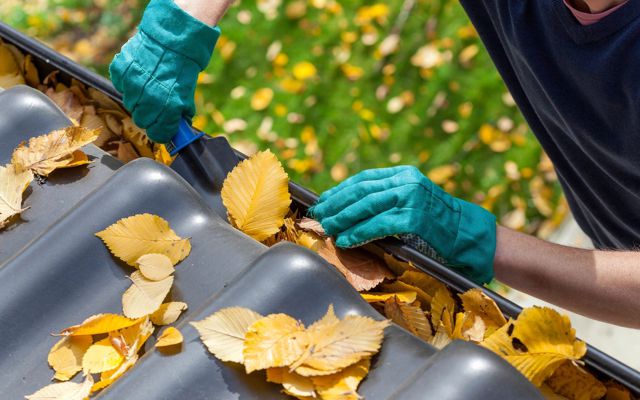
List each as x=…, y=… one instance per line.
x=595, y=6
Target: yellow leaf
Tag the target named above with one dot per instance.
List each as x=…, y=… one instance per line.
x=12, y=185
x=399, y=286
x=130, y=340
x=616, y=391
x=261, y=99
x=100, y=323
x=155, y=267
x=408, y=316
x=169, y=337
x=162, y=156
x=575, y=383
x=223, y=332
x=337, y=346
x=398, y=267
x=441, y=338
x=304, y=70
x=144, y=296
x=168, y=313
x=478, y=303
x=426, y=283
x=132, y=237
x=138, y=138
x=64, y=390
x=10, y=74
x=276, y=340
x=344, y=384
x=256, y=195
x=537, y=343
x=293, y=384
x=45, y=153
x=101, y=356
x=442, y=301
x=65, y=356
x=406, y=297
x=469, y=326
x=362, y=270
x=108, y=377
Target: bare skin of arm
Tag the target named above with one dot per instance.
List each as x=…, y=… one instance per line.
x=208, y=11
x=603, y=285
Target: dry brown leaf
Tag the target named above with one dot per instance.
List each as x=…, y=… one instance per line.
x=10, y=73
x=138, y=138
x=100, y=323
x=442, y=301
x=43, y=154
x=224, y=331
x=311, y=225
x=12, y=186
x=408, y=316
x=256, y=195
x=426, y=283
x=168, y=313
x=66, y=355
x=396, y=266
x=276, y=340
x=68, y=102
x=169, y=337
x=574, y=383
x=155, y=267
x=399, y=286
x=362, y=270
x=131, y=238
x=144, y=296
x=64, y=390
x=616, y=391
x=126, y=152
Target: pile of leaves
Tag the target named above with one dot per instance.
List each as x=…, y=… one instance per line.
x=86, y=107
x=38, y=158
x=326, y=360
x=540, y=343
x=109, y=344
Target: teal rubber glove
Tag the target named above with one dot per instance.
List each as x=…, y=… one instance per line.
x=157, y=69
x=400, y=201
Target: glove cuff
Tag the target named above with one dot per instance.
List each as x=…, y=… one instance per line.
x=475, y=244
x=177, y=31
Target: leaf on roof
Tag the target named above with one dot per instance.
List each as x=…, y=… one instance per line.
x=64, y=391
x=12, y=186
x=144, y=296
x=169, y=337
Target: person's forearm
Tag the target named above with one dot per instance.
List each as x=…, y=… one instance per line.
x=208, y=11
x=599, y=284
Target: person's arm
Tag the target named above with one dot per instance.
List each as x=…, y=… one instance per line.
x=603, y=285
x=208, y=11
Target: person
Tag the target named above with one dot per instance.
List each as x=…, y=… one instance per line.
x=571, y=66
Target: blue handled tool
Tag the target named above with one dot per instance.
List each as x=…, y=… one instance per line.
x=185, y=136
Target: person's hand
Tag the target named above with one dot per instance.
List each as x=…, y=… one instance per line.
x=401, y=201
x=157, y=69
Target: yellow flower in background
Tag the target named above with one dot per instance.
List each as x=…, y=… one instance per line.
x=304, y=70
x=352, y=72
x=261, y=99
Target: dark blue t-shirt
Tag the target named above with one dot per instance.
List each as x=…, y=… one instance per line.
x=579, y=89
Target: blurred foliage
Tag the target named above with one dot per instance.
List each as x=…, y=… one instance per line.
x=336, y=87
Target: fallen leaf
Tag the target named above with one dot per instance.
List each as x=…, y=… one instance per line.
x=169, y=337
x=256, y=195
x=126, y=152
x=616, y=391
x=162, y=156
x=405, y=297
x=276, y=340
x=399, y=286
x=43, y=154
x=293, y=384
x=64, y=390
x=426, y=283
x=144, y=296
x=10, y=74
x=108, y=377
x=537, y=343
x=573, y=382
x=311, y=225
x=336, y=346
x=224, y=331
x=12, y=185
x=478, y=303
x=442, y=301
x=469, y=326
x=396, y=266
x=100, y=323
x=155, y=267
x=344, y=384
x=132, y=237
x=100, y=357
x=66, y=355
x=168, y=313
x=138, y=137
x=408, y=316
x=362, y=270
